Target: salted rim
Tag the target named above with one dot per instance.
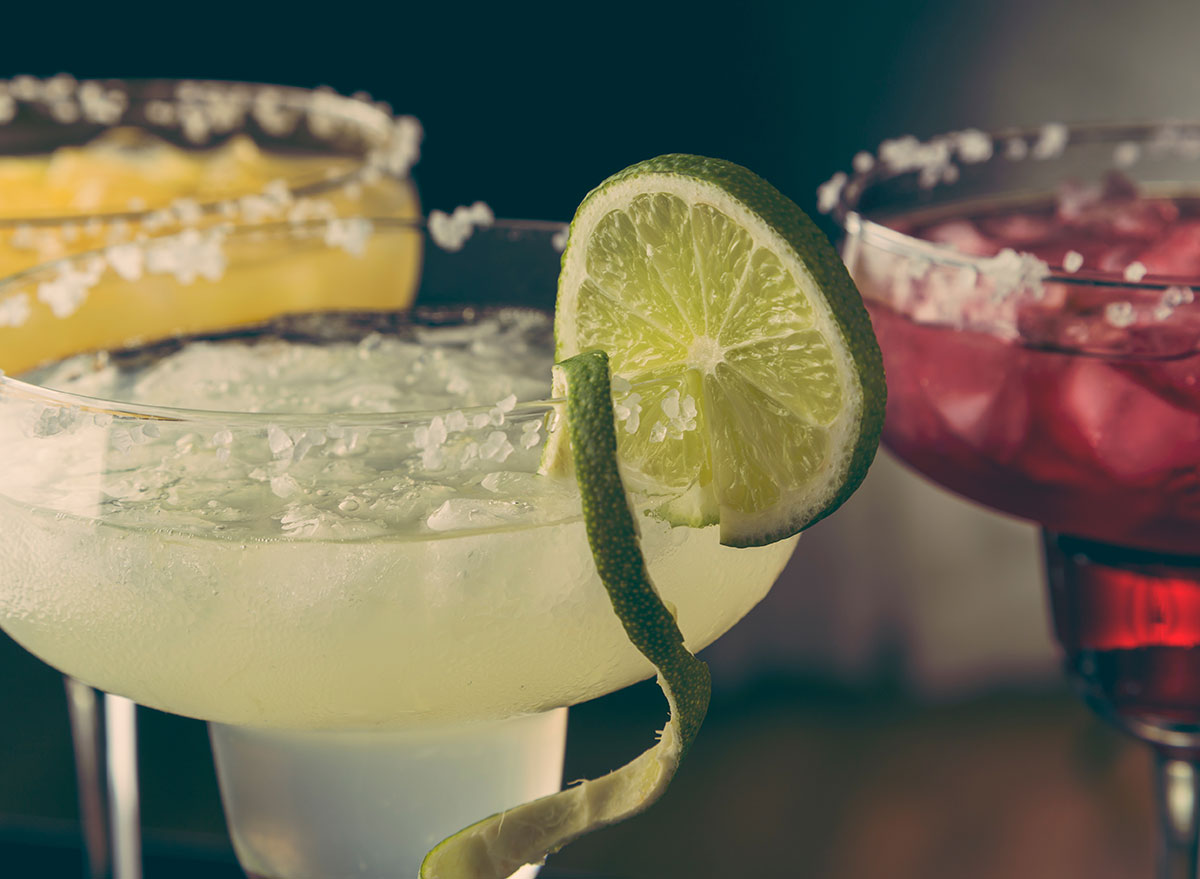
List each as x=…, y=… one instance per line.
x=552, y=231
x=938, y=161
x=392, y=143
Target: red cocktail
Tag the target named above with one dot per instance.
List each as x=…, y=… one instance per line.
x=1033, y=297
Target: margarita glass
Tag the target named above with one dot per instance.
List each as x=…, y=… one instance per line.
x=93, y=164
x=382, y=613
x=1032, y=294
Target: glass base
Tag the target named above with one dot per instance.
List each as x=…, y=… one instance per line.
x=370, y=805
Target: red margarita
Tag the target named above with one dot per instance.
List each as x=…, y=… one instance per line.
x=1041, y=339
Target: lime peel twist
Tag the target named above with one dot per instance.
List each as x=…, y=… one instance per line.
x=498, y=845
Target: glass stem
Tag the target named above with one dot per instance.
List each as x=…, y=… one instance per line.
x=1177, y=789
x=87, y=736
x=120, y=738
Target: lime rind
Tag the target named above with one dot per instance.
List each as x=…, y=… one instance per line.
x=498, y=845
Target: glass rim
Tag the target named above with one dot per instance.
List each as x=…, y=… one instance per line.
x=840, y=195
x=375, y=120
x=15, y=387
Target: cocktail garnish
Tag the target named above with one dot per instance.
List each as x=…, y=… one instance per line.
x=758, y=406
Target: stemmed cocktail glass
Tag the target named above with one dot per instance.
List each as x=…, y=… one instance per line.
x=379, y=605
x=102, y=164
x=1032, y=292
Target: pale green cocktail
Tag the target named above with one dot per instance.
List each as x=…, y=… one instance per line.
x=335, y=583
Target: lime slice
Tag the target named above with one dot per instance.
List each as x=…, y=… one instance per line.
x=497, y=846
x=758, y=391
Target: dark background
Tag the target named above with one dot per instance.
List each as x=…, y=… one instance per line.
x=802, y=770
x=527, y=106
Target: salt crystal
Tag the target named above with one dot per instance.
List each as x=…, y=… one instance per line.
x=222, y=438
x=432, y=435
x=658, y=432
x=508, y=403
x=1073, y=261
x=65, y=293
x=278, y=441
x=127, y=260
x=863, y=162
x=25, y=88
x=974, y=146
x=456, y=421
x=189, y=255
x=620, y=385
x=670, y=404
x=451, y=231
x=403, y=147
x=1052, y=140
x=351, y=234
x=632, y=404
x=437, y=431
x=1134, y=272
x=15, y=310
x=829, y=193
x=1126, y=154
x=1119, y=314
x=496, y=447
x=559, y=239
x=1176, y=296
x=1010, y=271
x=531, y=438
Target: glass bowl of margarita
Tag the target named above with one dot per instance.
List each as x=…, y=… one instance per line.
x=1033, y=292
x=86, y=165
x=108, y=163
x=322, y=527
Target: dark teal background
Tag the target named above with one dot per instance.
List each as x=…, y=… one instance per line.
x=527, y=106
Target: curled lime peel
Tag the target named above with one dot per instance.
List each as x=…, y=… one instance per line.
x=500, y=844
